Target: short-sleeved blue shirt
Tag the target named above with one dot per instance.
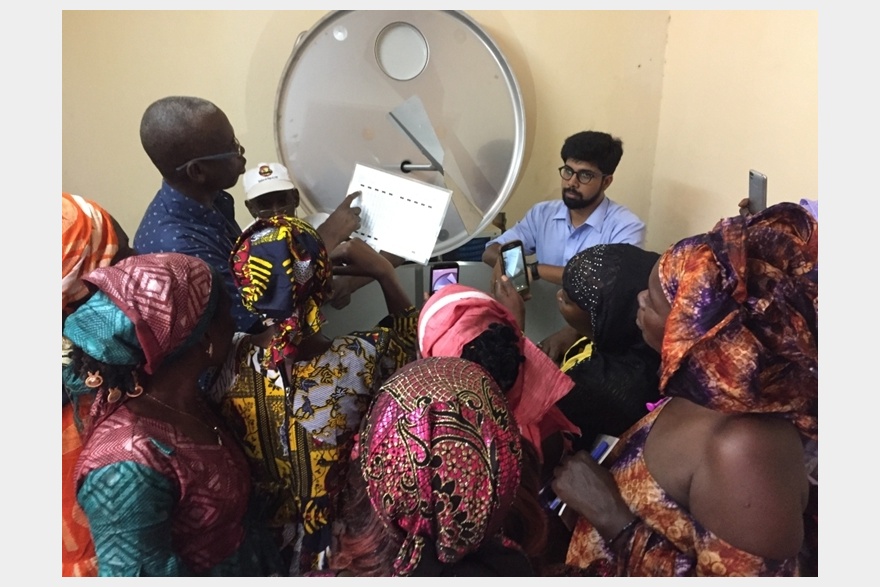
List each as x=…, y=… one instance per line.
x=175, y=223
x=546, y=231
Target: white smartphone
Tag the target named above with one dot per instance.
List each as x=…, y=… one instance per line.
x=757, y=191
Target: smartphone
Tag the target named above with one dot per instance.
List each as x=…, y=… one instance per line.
x=443, y=274
x=757, y=191
x=513, y=259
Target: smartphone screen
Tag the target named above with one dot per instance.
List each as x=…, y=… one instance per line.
x=442, y=276
x=757, y=191
x=514, y=261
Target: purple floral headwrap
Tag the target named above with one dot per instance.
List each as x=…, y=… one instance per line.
x=742, y=335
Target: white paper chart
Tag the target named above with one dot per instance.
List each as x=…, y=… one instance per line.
x=399, y=215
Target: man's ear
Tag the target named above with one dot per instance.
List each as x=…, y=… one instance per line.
x=606, y=181
x=195, y=173
x=251, y=207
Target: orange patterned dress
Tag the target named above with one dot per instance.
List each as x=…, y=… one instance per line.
x=77, y=549
x=668, y=541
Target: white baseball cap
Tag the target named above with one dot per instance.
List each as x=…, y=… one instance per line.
x=265, y=178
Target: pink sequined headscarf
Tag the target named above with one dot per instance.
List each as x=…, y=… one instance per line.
x=456, y=315
x=441, y=457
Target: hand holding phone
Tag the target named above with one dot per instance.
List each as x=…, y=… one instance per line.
x=443, y=274
x=513, y=263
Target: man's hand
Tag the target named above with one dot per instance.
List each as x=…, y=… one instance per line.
x=341, y=222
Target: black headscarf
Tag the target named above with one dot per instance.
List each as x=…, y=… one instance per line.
x=621, y=375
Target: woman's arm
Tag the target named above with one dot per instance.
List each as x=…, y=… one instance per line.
x=589, y=489
x=355, y=257
x=130, y=508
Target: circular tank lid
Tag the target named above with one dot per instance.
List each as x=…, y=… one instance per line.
x=422, y=94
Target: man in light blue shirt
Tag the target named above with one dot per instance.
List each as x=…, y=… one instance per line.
x=555, y=231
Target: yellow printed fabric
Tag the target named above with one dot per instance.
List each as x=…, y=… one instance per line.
x=299, y=440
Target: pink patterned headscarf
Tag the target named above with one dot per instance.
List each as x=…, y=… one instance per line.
x=165, y=295
x=456, y=315
x=441, y=457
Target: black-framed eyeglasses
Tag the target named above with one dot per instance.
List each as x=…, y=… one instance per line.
x=584, y=176
x=238, y=152
x=280, y=203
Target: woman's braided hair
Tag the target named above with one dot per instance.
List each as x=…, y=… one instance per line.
x=496, y=350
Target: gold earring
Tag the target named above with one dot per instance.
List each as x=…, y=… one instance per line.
x=94, y=380
x=113, y=395
x=138, y=390
x=210, y=350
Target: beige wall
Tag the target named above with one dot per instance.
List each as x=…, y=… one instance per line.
x=697, y=97
x=740, y=91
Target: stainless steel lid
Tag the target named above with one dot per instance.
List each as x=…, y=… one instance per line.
x=425, y=94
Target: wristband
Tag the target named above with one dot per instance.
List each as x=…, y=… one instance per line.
x=533, y=270
x=623, y=531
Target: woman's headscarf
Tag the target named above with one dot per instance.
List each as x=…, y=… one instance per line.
x=457, y=314
x=620, y=376
x=147, y=308
x=283, y=271
x=88, y=241
x=604, y=281
x=441, y=457
x=742, y=334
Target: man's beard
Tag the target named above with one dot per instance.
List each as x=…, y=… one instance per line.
x=577, y=203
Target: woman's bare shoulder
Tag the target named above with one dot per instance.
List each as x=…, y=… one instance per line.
x=751, y=487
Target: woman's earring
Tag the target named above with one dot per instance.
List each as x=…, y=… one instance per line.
x=138, y=390
x=210, y=350
x=94, y=380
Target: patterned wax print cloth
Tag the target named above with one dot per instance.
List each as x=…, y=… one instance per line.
x=282, y=272
x=743, y=297
x=298, y=438
x=441, y=456
x=667, y=541
x=88, y=241
x=160, y=504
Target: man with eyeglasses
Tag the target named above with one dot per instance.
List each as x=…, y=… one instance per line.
x=192, y=144
x=554, y=231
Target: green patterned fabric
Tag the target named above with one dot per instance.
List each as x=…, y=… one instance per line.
x=103, y=331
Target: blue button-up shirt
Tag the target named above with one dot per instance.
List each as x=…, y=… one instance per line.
x=546, y=231
x=174, y=223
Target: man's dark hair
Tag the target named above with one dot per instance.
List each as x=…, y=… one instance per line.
x=598, y=148
x=171, y=130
